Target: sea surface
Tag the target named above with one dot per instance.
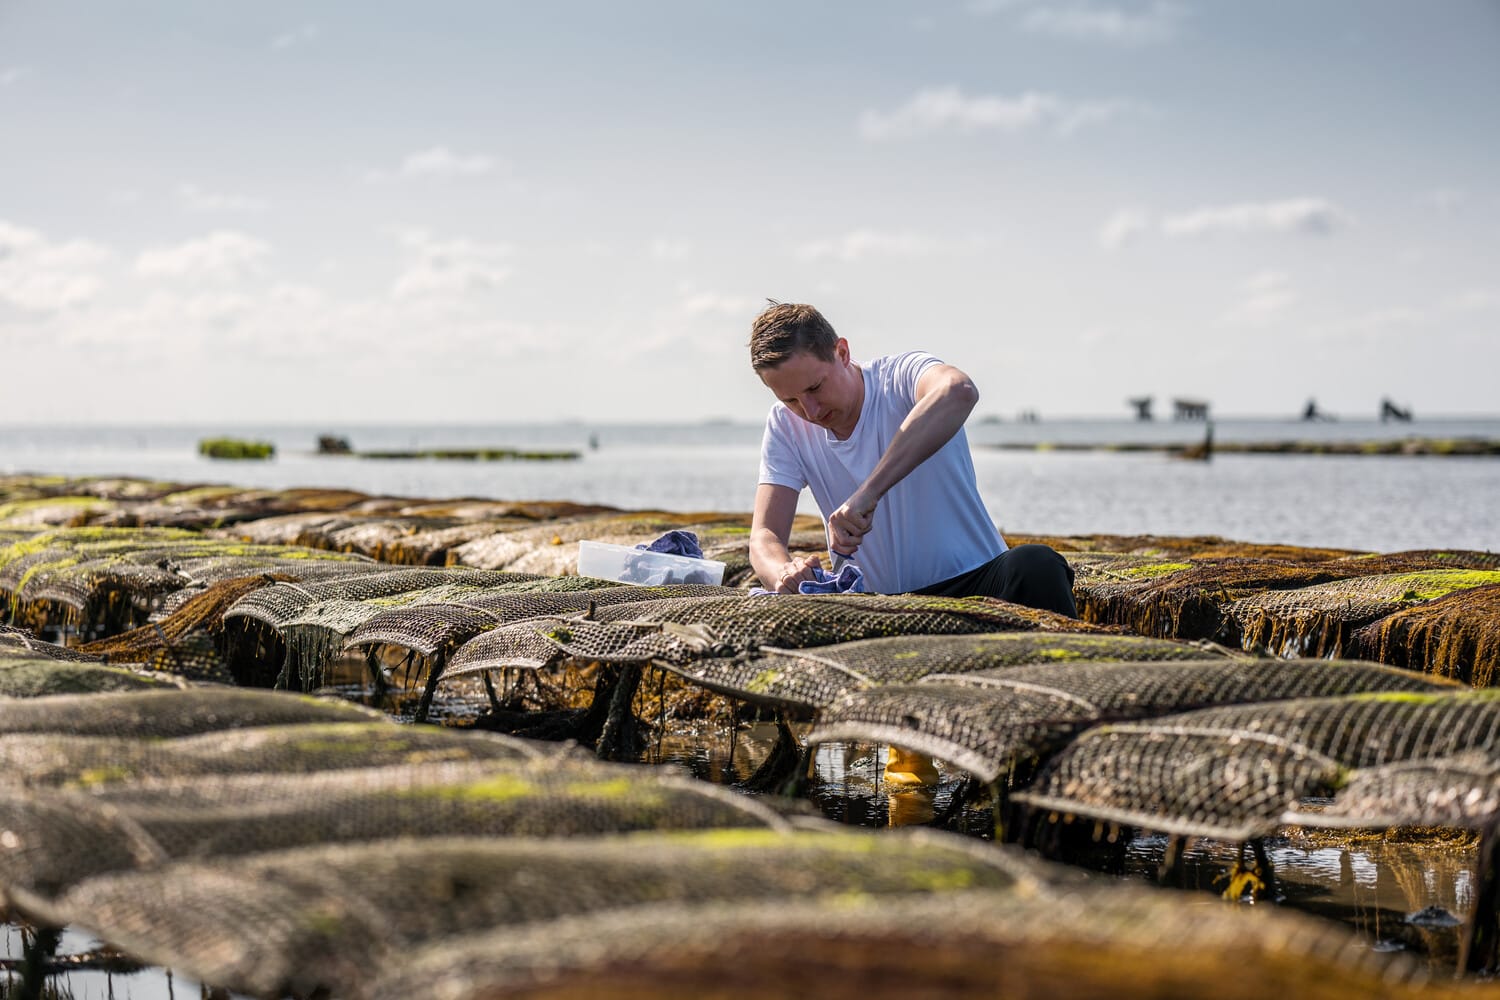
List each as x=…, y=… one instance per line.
x=1374, y=503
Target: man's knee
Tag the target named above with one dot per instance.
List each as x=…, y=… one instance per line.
x=1040, y=562
x=1040, y=578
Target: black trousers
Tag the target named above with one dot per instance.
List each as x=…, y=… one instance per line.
x=1033, y=575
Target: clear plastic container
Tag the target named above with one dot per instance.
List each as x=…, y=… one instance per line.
x=631, y=565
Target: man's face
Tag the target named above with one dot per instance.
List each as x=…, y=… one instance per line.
x=826, y=393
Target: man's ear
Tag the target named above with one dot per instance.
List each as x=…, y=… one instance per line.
x=841, y=351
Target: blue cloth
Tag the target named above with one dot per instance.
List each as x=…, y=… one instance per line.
x=850, y=579
x=676, y=543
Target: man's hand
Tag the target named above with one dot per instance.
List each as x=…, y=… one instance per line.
x=796, y=571
x=848, y=525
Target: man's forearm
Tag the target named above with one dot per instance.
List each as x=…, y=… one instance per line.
x=768, y=557
x=931, y=424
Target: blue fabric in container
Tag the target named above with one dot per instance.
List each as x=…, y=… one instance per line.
x=675, y=543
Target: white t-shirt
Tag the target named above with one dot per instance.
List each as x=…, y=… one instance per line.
x=931, y=526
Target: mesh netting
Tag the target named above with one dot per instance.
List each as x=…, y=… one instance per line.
x=1093, y=942
x=680, y=631
x=66, y=760
x=32, y=675
x=1462, y=791
x=1320, y=621
x=802, y=679
x=1236, y=771
x=1412, y=560
x=207, y=570
x=276, y=606
x=1183, y=780
x=183, y=642
x=1456, y=636
x=246, y=925
x=59, y=837
x=1181, y=547
x=162, y=714
x=108, y=580
x=439, y=626
x=21, y=640
x=552, y=549
x=1187, y=599
x=986, y=721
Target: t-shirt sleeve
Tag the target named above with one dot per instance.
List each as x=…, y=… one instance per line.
x=780, y=465
x=905, y=370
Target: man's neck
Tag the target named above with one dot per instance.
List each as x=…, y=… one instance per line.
x=844, y=433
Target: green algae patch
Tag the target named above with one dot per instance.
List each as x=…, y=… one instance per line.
x=941, y=880
x=236, y=449
x=763, y=681
x=83, y=504
x=322, y=923
x=1441, y=583
x=474, y=455
x=201, y=494
x=499, y=788
x=607, y=788
x=731, y=839
x=1429, y=698
x=96, y=777
x=1059, y=655
x=1151, y=570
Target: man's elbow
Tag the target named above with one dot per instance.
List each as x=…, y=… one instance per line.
x=963, y=395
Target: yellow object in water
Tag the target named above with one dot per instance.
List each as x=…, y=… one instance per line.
x=903, y=767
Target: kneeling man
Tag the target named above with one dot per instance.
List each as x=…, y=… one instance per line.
x=882, y=445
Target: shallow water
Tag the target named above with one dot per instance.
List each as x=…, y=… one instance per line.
x=1376, y=503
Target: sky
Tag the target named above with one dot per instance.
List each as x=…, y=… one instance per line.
x=495, y=212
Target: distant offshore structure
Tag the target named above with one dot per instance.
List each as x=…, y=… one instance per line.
x=1182, y=409
x=1390, y=411
x=1198, y=409
x=1189, y=409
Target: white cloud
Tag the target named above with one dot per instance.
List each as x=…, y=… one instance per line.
x=713, y=303
x=1312, y=216
x=1444, y=201
x=948, y=109
x=439, y=162
x=43, y=276
x=437, y=267
x=1372, y=324
x=303, y=34
x=862, y=243
x=1473, y=300
x=195, y=199
x=1124, y=227
x=221, y=255
x=1157, y=23
x=668, y=249
x=1263, y=297
x=985, y=7
x=13, y=74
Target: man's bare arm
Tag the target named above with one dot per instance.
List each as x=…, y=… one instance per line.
x=945, y=398
x=770, y=527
